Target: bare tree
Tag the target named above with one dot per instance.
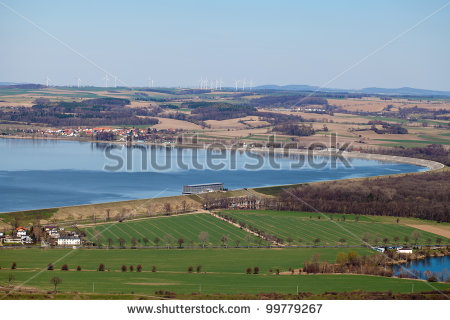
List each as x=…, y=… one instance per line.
x=289, y=240
x=183, y=206
x=157, y=240
x=121, y=242
x=415, y=236
x=55, y=281
x=225, y=239
x=145, y=240
x=203, y=237
x=110, y=242
x=180, y=242
x=133, y=242
x=169, y=239
x=167, y=208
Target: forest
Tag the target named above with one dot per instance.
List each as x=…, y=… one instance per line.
x=423, y=196
x=295, y=129
x=89, y=112
x=288, y=101
x=433, y=152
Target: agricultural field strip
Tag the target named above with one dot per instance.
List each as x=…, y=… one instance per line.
x=287, y=224
x=357, y=228
x=261, y=225
x=183, y=227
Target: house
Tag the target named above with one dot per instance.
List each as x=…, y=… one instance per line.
x=21, y=232
x=69, y=241
x=26, y=240
x=405, y=250
x=12, y=240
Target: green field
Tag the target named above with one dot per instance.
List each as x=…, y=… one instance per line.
x=170, y=229
x=223, y=271
x=310, y=226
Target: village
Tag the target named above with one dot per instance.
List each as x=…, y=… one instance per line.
x=45, y=236
x=103, y=134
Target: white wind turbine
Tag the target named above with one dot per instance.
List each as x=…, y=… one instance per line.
x=47, y=80
x=243, y=85
x=220, y=84
x=106, y=78
x=201, y=82
x=115, y=81
x=78, y=82
x=236, y=83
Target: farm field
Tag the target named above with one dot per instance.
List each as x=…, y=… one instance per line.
x=169, y=229
x=308, y=227
x=223, y=270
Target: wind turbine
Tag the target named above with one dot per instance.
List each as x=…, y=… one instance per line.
x=115, y=81
x=106, y=78
x=243, y=85
x=220, y=84
x=201, y=82
x=236, y=82
x=47, y=80
x=78, y=82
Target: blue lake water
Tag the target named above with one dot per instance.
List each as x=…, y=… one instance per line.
x=49, y=173
x=440, y=266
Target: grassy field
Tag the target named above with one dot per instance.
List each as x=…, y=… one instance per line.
x=310, y=226
x=223, y=271
x=170, y=229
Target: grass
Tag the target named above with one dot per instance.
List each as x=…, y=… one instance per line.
x=223, y=271
x=275, y=190
x=28, y=216
x=187, y=227
x=310, y=226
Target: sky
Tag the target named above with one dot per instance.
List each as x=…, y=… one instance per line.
x=336, y=44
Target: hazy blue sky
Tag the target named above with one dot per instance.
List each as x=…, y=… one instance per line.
x=269, y=42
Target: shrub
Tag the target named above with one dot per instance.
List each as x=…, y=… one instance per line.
x=249, y=270
x=131, y=268
x=124, y=268
x=278, y=271
x=255, y=270
x=79, y=268
x=14, y=266
x=101, y=267
x=139, y=268
x=154, y=269
x=190, y=269
x=199, y=268
x=50, y=266
x=65, y=267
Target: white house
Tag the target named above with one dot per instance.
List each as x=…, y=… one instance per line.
x=21, y=232
x=69, y=241
x=405, y=250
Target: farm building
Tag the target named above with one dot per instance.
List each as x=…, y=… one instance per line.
x=200, y=188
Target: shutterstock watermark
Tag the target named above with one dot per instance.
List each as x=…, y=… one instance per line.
x=188, y=154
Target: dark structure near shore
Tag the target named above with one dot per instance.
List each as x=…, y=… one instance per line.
x=201, y=188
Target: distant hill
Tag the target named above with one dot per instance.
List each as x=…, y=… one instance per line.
x=372, y=90
x=405, y=91
x=3, y=84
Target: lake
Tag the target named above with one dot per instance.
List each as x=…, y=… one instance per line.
x=38, y=174
x=440, y=266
